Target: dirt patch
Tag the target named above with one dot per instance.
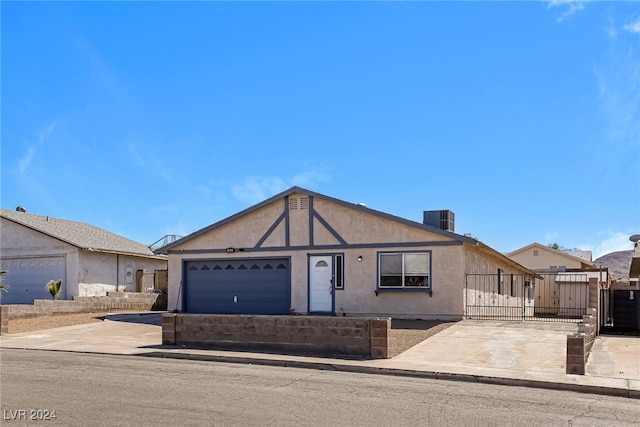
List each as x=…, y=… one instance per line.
x=17, y=326
x=408, y=333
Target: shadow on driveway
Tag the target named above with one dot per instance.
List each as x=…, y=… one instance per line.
x=143, y=318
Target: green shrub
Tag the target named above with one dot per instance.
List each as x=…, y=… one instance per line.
x=54, y=288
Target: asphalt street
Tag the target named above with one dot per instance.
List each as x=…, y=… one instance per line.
x=100, y=390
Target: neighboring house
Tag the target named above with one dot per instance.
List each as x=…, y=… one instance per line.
x=89, y=260
x=564, y=290
x=542, y=258
x=307, y=253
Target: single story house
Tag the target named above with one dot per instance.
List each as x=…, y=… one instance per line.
x=306, y=253
x=542, y=258
x=564, y=289
x=90, y=261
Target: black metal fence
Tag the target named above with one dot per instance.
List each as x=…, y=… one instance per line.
x=555, y=296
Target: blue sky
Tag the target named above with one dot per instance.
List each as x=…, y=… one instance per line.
x=161, y=118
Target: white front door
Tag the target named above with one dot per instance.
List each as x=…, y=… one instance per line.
x=321, y=283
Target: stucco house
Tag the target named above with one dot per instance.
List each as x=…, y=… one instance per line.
x=541, y=258
x=306, y=253
x=564, y=289
x=90, y=261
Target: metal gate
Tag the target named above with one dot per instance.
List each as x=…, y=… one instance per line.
x=555, y=297
x=620, y=311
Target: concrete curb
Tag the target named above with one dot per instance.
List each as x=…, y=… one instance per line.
x=628, y=391
x=446, y=376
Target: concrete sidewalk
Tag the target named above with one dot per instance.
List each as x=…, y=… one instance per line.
x=529, y=354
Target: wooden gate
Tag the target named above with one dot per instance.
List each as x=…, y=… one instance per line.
x=152, y=281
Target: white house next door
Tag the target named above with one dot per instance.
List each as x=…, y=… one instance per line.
x=321, y=283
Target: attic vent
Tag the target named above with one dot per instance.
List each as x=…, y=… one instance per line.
x=296, y=203
x=444, y=220
x=293, y=203
x=304, y=203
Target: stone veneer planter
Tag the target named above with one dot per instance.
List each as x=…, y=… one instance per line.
x=318, y=335
x=113, y=301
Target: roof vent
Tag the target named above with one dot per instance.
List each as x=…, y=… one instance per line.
x=20, y=209
x=444, y=220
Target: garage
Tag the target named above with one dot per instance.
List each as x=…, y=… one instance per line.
x=27, y=278
x=237, y=286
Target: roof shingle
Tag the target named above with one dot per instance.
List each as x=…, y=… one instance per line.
x=79, y=234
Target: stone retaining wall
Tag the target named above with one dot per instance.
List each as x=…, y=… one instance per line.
x=335, y=336
x=40, y=307
x=579, y=345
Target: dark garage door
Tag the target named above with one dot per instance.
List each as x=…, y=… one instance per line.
x=248, y=286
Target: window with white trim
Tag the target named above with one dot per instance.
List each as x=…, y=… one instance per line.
x=410, y=270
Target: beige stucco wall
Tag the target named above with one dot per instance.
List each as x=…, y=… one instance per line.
x=359, y=296
x=244, y=232
x=360, y=279
x=544, y=259
x=482, y=289
x=100, y=272
x=360, y=227
x=484, y=261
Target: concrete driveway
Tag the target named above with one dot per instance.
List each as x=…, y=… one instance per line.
x=118, y=334
x=493, y=347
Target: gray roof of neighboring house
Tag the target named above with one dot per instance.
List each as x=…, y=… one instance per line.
x=79, y=234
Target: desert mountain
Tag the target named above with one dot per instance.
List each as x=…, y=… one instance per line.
x=617, y=262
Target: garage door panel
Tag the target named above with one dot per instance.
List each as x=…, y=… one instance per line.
x=27, y=278
x=260, y=286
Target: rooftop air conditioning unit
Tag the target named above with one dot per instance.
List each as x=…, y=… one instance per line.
x=444, y=220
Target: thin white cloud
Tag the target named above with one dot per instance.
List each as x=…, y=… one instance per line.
x=551, y=237
x=633, y=27
x=254, y=189
x=612, y=31
x=137, y=158
x=619, y=92
x=601, y=244
x=570, y=7
x=309, y=178
x=150, y=162
x=24, y=162
x=612, y=241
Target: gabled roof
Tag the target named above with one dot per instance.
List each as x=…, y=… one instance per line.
x=358, y=207
x=298, y=190
x=553, y=251
x=79, y=234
